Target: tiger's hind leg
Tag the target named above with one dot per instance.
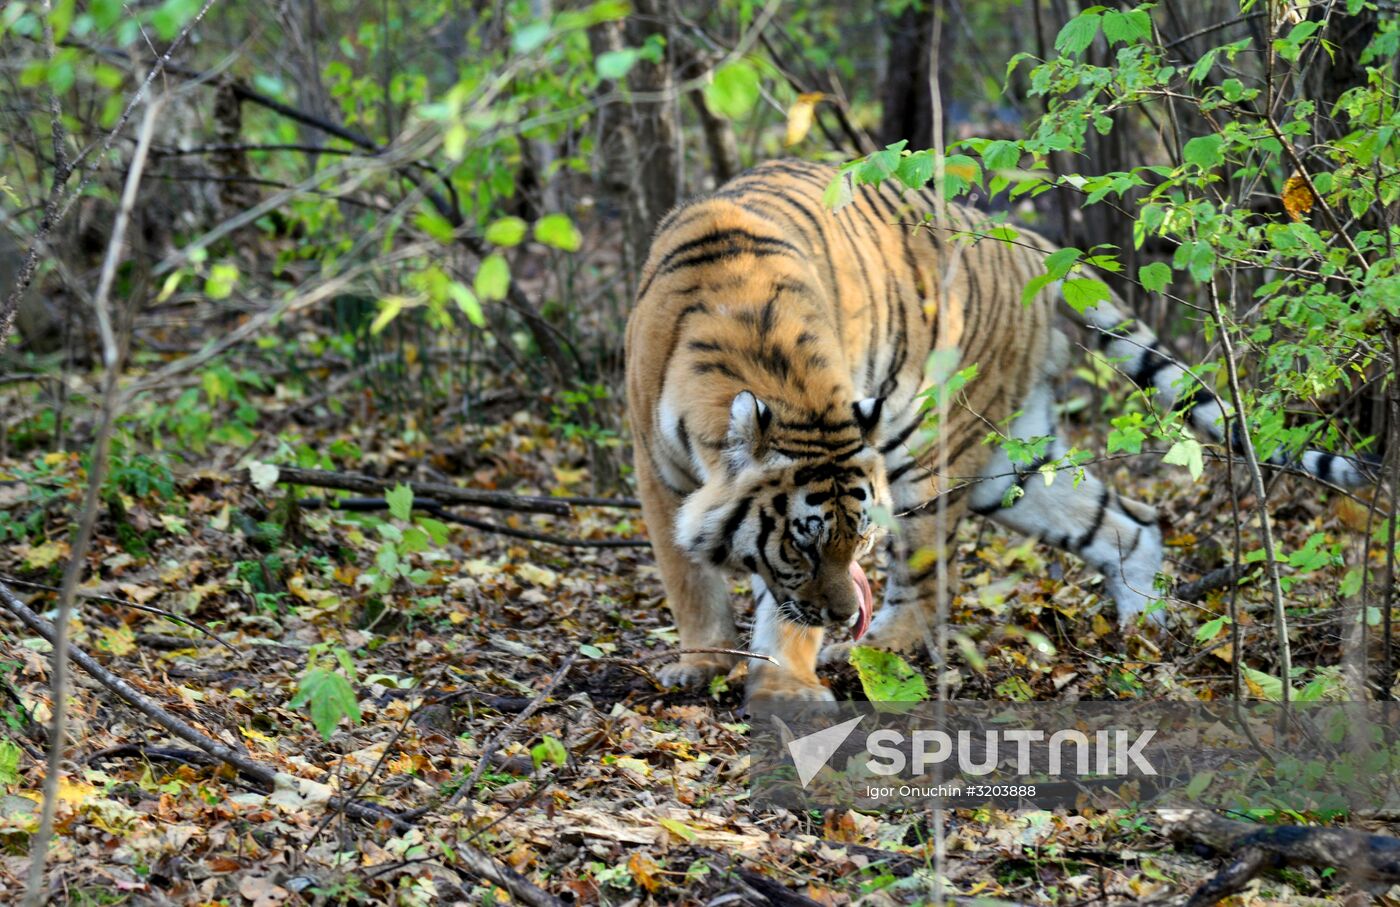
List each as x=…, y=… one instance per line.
x=1117, y=537
x=697, y=596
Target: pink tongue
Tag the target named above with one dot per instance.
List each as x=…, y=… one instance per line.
x=867, y=601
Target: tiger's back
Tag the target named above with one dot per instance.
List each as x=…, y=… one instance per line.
x=762, y=287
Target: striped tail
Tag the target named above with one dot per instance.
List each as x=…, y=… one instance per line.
x=1141, y=356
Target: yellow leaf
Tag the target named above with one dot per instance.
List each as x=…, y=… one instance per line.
x=1298, y=199
x=118, y=640
x=967, y=172
x=1101, y=626
x=39, y=557
x=800, y=117
x=538, y=576
x=259, y=738
x=74, y=792
x=644, y=870
x=569, y=476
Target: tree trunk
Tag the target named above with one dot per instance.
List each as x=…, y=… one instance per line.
x=907, y=111
x=654, y=118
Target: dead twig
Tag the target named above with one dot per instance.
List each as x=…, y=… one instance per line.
x=504, y=734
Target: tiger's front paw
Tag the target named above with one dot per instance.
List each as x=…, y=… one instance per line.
x=769, y=688
x=839, y=653
x=695, y=670
x=836, y=653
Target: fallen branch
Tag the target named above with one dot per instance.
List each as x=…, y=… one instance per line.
x=135, y=606
x=1219, y=578
x=1358, y=857
x=349, y=481
x=428, y=505
x=476, y=861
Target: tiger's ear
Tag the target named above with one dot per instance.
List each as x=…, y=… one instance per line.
x=749, y=418
x=867, y=413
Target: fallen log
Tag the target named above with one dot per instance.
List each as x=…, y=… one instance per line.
x=1363, y=859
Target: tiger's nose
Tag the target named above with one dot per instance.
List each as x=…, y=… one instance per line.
x=839, y=609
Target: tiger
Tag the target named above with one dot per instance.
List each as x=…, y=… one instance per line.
x=778, y=392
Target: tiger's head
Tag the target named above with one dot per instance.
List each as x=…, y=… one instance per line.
x=795, y=505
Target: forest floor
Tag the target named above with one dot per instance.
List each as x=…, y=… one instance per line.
x=611, y=789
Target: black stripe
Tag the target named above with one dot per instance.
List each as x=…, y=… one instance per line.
x=1151, y=363
x=1324, y=467
x=895, y=474
x=903, y=436
x=684, y=437
x=1078, y=544
x=720, y=552
x=704, y=368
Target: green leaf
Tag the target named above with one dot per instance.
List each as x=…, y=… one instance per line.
x=508, y=231
x=9, y=762
x=389, y=309
x=1210, y=629
x=1034, y=286
x=492, y=278
x=1203, y=65
x=1201, y=262
x=1083, y=293
x=1270, y=687
x=734, y=90
x=1187, y=452
x=1001, y=155
x=558, y=231
x=221, y=280
x=1078, y=33
x=436, y=226
x=590, y=651
x=530, y=37
x=616, y=63
x=105, y=13
x=331, y=698
x=548, y=750
x=400, y=501
x=915, y=170
x=1126, y=27
x=838, y=192
x=1058, y=263
x=1204, y=151
x=1155, y=276
x=886, y=677
x=467, y=302
x=1198, y=784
